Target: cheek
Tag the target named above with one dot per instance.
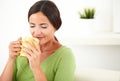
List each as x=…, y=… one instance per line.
x=50, y=34
x=31, y=31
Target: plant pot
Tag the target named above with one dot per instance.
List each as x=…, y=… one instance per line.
x=86, y=26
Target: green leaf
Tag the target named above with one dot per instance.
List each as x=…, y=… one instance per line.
x=88, y=13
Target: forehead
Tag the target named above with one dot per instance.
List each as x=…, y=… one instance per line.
x=39, y=16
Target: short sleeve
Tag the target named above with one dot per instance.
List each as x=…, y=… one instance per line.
x=66, y=67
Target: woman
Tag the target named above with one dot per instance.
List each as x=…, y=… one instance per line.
x=50, y=60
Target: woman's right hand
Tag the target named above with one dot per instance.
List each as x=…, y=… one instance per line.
x=14, y=49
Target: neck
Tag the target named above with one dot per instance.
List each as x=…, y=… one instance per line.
x=51, y=45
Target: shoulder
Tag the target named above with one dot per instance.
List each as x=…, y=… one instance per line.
x=65, y=59
x=65, y=53
x=64, y=49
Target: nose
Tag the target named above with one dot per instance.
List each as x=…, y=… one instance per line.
x=37, y=31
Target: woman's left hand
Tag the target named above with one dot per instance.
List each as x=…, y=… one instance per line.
x=33, y=54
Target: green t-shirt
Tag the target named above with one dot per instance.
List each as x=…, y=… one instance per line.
x=60, y=66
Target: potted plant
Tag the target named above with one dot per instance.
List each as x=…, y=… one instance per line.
x=88, y=13
x=87, y=20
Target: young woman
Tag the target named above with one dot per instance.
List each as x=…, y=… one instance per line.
x=50, y=60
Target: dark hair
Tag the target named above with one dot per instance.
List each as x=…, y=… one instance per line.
x=49, y=9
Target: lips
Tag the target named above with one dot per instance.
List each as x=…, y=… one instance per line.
x=40, y=38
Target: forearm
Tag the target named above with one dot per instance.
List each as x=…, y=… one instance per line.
x=39, y=75
x=8, y=71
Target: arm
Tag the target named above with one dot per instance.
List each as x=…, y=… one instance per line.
x=33, y=54
x=14, y=49
x=8, y=71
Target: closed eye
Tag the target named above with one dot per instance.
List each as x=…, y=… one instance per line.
x=32, y=26
x=44, y=25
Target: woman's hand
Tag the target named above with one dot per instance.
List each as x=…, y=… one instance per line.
x=14, y=49
x=33, y=53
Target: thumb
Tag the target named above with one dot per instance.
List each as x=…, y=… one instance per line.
x=20, y=39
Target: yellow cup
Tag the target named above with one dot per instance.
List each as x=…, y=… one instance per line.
x=30, y=40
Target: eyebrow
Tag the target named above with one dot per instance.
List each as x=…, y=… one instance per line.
x=43, y=24
x=32, y=23
x=40, y=24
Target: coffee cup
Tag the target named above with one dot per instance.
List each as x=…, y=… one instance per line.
x=30, y=40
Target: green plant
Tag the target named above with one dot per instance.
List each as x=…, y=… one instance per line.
x=88, y=13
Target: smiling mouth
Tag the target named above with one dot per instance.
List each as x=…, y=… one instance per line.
x=40, y=38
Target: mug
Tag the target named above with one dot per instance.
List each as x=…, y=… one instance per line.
x=30, y=40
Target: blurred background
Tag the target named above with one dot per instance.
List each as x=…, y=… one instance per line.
x=95, y=44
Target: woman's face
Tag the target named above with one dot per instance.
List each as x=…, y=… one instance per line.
x=41, y=28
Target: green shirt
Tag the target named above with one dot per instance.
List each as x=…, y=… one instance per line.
x=60, y=66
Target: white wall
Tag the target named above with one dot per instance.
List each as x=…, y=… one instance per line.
x=97, y=56
x=116, y=12
x=13, y=24
x=69, y=11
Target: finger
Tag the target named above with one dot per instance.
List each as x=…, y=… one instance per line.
x=16, y=49
x=20, y=38
x=30, y=46
x=12, y=54
x=16, y=46
x=36, y=44
x=17, y=41
x=27, y=50
x=14, y=43
x=27, y=54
